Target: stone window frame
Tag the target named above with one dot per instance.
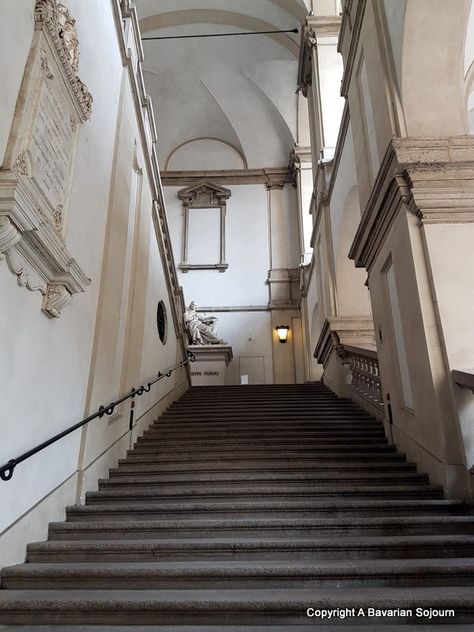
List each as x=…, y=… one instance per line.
x=203, y=195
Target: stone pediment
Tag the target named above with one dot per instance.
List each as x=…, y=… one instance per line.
x=204, y=194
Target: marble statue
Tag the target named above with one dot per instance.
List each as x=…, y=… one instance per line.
x=201, y=329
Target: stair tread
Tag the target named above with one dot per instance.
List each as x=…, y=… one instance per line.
x=266, y=522
x=231, y=628
x=259, y=567
x=271, y=542
x=276, y=599
x=289, y=504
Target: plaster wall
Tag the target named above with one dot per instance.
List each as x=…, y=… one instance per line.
x=395, y=22
x=35, y=362
x=429, y=432
x=310, y=309
x=261, y=234
x=352, y=295
x=330, y=73
x=370, y=115
x=55, y=371
x=15, y=44
x=453, y=289
x=247, y=250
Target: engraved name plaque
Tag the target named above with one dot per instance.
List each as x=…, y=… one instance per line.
x=35, y=179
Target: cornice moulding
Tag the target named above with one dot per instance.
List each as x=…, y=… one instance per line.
x=340, y=331
x=352, y=45
x=323, y=25
x=433, y=178
x=270, y=177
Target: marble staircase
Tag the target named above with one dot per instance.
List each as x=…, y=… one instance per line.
x=238, y=510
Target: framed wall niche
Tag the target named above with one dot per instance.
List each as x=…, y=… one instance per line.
x=204, y=210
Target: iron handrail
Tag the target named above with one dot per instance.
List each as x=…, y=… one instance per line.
x=6, y=471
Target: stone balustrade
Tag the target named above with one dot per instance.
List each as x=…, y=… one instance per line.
x=365, y=375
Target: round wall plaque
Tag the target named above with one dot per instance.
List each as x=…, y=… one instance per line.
x=162, y=322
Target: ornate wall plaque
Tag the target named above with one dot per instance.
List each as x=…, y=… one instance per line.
x=35, y=179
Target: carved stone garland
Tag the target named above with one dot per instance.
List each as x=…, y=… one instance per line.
x=35, y=178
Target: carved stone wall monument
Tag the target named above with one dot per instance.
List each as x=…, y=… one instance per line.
x=35, y=178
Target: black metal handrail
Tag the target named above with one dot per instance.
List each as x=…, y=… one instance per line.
x=6, y=471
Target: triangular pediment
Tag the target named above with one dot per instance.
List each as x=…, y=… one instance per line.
x=204, y=193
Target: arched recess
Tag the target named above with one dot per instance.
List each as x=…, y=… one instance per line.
x=217, y=16
x=315, y=325
x=352, y=294
x=432, y=83
x=205, y=153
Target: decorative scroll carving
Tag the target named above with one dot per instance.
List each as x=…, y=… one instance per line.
x=25, y=275
x=58, y=218
x=9, y=235
x=55, y=299
x=45, y=65
x=55, y=19
x=67, y=32
x=21, y=164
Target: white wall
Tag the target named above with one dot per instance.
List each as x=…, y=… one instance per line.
x=240, y=296
x=49, y=368
x=247, y=251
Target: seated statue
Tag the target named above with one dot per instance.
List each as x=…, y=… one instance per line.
x=201, y=330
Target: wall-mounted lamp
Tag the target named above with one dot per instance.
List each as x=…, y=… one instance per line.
x=282, y=332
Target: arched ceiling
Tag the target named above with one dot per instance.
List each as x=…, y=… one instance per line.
x=239, y=91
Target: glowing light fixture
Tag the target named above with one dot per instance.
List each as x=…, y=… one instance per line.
x=282, y=332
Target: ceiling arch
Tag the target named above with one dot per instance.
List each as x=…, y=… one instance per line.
x=218, y=16
x=296, y=8
x=233, y=97
x=238, y=151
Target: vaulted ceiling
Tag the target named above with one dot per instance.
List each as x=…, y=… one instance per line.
x=222, y=102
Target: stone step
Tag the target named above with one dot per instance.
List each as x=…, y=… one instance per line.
x=248, y=548
x=256, y=478
x=270, y=527
x=260, y=439
x=347, y=447
x=298, y=433
x=387, y=454
x=209, y=428
x=293, y=409
x=260, y=574
x=391, y=492
x=231, y=628
x=194, y=607
x=230, y=417
x=127, y=467
x=261, y=509
x=257, y=452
